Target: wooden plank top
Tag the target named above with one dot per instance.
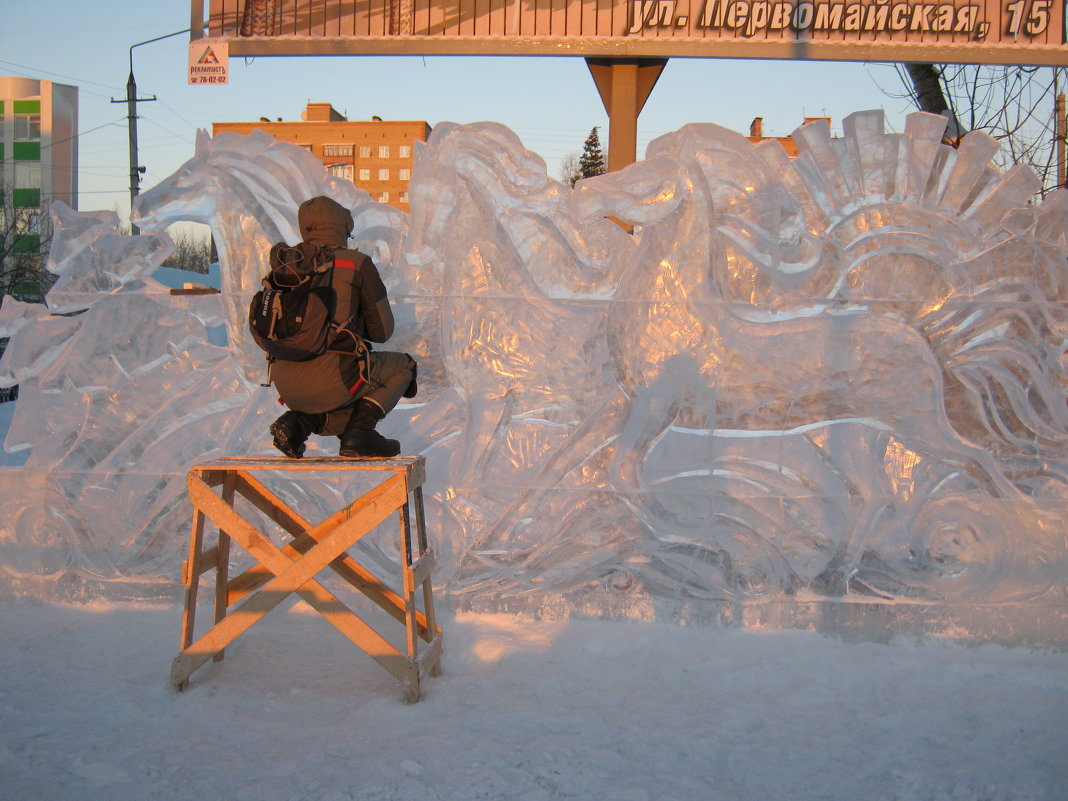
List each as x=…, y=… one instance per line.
x=413, y=466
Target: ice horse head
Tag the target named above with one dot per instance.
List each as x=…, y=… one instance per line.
x=248, y=189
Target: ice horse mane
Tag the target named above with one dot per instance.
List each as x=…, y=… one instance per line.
x=247, y=190
x=272, y=173
x=469, y=174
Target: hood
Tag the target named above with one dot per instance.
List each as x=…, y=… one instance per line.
x=324, y=221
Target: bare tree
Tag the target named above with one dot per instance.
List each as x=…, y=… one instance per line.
x=570, y=171
x=191, y=253
x=1016, y=105
x=926, y=82
x=25, y=236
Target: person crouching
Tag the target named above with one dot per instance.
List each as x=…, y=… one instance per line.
x=348, y=389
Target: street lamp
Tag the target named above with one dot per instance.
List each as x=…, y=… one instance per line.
x=131, y=109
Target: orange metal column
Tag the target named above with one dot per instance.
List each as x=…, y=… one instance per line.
x=624, y=85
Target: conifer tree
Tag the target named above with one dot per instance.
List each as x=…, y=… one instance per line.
x=592, y=160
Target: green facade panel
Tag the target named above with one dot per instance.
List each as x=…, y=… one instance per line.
x=26, y=243
x=26, y=151
x=27, y=106
x=26, y=198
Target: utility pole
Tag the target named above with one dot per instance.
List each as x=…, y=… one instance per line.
x=131, y=102
x=1060, y=127
x=131, y=116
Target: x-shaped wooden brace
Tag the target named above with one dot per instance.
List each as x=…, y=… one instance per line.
x=292, y=568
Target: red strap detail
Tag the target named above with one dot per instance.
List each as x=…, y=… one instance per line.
x=356, y=386
x=350, y=265
x=281, y=402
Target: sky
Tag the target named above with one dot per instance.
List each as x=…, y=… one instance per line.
x=550, y=102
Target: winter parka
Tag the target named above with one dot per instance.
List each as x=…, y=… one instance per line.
x=340, y=376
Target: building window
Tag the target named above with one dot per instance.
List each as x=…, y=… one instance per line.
x=383, y=151
x=405, y=151
x=33, y=221
x=383, y=197
x=28, y=126
x=403, y=197
x=404, y=174
x=365, y=151
x=337, y=150
x=383, y=174
x=340, y=171
x=28, y=175
x=365, y=174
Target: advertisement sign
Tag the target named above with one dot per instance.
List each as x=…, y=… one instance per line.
x=209, y=61
x=976, y=31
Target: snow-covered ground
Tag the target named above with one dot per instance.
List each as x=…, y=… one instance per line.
x=523, y=710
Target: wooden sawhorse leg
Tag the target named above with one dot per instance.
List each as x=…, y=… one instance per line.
x=292, y=568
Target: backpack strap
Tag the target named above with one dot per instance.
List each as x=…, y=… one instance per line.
x=363, y=367
x=352, y=342
x=291, y=266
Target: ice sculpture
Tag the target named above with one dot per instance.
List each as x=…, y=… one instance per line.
x=244, y=187
x=799, y=389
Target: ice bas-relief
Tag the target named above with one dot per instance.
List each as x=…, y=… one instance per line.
x=798, y=384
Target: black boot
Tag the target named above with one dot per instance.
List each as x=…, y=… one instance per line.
x=291, y=431
x=359, y=439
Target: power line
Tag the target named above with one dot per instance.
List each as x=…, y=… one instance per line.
x=178, y=115
x=82, y=133
x=34, y=72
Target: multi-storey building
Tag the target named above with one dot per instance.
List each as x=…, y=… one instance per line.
x=376, y=155
x=756, y=135
x=38, y=156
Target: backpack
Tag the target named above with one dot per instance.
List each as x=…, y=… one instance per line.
x=292, y=317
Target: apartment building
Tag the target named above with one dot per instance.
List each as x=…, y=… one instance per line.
x=38, y=154
x=756, y=135
x=376, y=154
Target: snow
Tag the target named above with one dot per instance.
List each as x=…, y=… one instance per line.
x=523, y=709
x=173, y=278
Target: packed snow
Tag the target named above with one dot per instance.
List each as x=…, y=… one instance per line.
x=539, y=711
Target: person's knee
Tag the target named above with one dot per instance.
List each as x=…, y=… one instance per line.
x=413, y=388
